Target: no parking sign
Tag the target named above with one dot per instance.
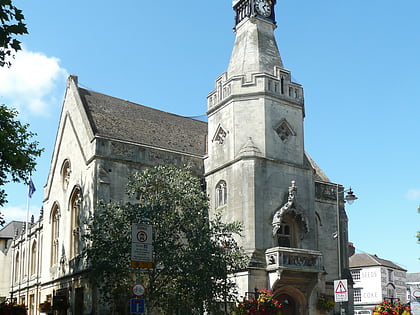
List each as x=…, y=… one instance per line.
x=141, y=245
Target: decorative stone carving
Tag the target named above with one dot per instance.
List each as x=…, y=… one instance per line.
x=122, y=150
x=325, y=191
x=278, y=216
x=284, y=131
x=250, y=148
x=220, y=135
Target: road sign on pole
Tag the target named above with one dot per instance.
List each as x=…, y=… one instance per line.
x=141, y=245
x=137, y=306
x=341, y=292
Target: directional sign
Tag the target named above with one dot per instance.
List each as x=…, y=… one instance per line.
x=341, y=292
x=141, y=245
x=137, y=306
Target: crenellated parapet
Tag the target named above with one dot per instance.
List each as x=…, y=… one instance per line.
x=279, y=86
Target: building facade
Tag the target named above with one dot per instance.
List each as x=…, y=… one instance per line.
x=251, y=154
x=376, y=279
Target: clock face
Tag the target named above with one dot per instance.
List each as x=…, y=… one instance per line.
x=263, y=7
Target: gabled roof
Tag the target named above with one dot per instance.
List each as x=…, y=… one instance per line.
x=9, y=231
x=413, y=277
x=118, y=119
x=319, y=173
x=368, y=260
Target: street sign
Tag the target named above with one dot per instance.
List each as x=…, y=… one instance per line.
x=137, y=306
x=341, y=292
x=415, y=299
x=141, y=245
x=139, y=289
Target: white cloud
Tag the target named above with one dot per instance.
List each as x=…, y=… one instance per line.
x=29, y=83
x=18, y=213
x=413, y=194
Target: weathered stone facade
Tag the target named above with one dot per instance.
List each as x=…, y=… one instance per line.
x=251, y=154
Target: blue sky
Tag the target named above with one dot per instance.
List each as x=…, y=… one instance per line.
x=358, y=62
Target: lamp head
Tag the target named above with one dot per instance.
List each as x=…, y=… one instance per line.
x=350, y=197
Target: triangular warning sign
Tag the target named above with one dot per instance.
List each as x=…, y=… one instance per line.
x=341, y=288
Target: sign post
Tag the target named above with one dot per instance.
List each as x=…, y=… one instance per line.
x=137, y=306
x=141, y=258
x=415, y=299
x=141, y=245
x=341, y=292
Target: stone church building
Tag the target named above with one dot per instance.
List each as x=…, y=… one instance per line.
x=250, y=153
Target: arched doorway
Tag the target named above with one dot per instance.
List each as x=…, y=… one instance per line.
x=288, y=304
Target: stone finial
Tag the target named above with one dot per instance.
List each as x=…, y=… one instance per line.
x=278, y=216
x=250, y=148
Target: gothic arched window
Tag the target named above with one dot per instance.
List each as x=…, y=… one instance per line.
x=65, y=173
x=221, y=194
x=33, y=259
x=287, y=234
x=284, y=237
x=22, y=265
x=17, y=262
x=55, y=233
x=75, y=208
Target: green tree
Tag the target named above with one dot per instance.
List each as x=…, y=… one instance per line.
x=418, y=232
x=11, y=25
x=11, y=158
x=17, y=151
x=193, y=254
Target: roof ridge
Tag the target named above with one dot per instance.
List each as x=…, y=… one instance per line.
x=145, y=106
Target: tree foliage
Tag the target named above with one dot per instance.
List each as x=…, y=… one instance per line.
x=418, y=232
x=11, y=25
x=193, y=254
x=18, y=151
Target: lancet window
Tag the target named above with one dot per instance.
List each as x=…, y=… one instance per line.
x=55, y=233
x=75, y=208
x=17, y=262
x=33, y=258
x=221, y=194
x=65, y=173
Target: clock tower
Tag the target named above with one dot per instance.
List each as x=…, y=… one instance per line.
x=257, y=171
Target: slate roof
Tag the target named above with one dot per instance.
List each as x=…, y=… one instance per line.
x=368, y=260
x=9, y=230
x=115, y=118
x=319, y=173
x=413, y=277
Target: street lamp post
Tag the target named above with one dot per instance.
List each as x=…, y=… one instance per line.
x=349, y=198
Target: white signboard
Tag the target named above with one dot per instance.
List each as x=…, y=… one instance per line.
x=341, y=292
x=415, y=299
x=141, y=245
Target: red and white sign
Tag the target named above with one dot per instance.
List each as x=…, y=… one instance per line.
x=138, y=289
x=341, y=292
x=141, y=245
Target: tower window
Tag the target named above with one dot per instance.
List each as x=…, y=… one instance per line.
x=284, y=237
x=282, y=85
x=221, y=194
